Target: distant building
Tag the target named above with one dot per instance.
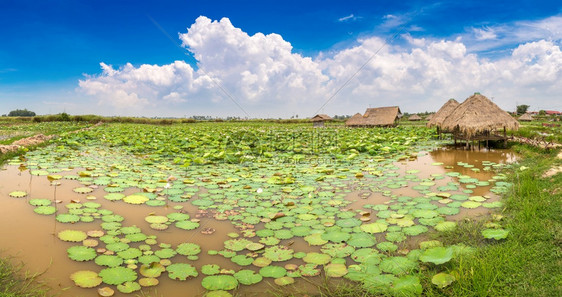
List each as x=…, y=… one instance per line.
x=319, y=120
x=379, y=116
x=414, y=118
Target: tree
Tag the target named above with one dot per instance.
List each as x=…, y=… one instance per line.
x=21, y=113
x=521, y=109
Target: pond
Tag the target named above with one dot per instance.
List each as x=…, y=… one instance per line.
x=268, y=225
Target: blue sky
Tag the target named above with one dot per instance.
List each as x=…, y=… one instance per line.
x=50, y=55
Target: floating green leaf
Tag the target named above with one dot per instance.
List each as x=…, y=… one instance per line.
x=219, y=282
x=117, y=275
x=437, y=255
x=181, y=271
x=86, y=279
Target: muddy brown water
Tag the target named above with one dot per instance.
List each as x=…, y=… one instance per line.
x=31, y=238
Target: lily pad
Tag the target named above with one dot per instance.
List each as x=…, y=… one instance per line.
x=335, y=270
x=45, y=210
x=248, y=277
x=437, y=255
x=398, y=265
x=317, y=258
x=283, y=281
x=152, y=270
x=72, y=235
x=374, y=227
x=117, y=275
x=442, y=279
x=496, y=234
x=86, y=279
x=81, y=253
x=278, y=253
x=273, y=271
x=188, y=249
x=109, y=260
x=181, y=271
x=219, y=282
x=128, y=287
x=210, y=269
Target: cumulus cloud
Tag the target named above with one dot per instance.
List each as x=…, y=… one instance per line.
x=264, y=75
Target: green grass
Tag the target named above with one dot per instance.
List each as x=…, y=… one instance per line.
x=15, y=283
x=528, y=262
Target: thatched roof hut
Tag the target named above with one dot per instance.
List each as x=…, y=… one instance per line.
x=319, y=119
x=355, y=120
x=379, y=116
x=526, y=118
x=382, y=116
x=477, y=115
x=445, y=110
x=429, y=117
x=414, y=117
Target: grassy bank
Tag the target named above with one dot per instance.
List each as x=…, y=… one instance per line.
x=529, y=261
x=15, y=283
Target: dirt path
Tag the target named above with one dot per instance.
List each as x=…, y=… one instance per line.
x=35, y=140
x=554, y=170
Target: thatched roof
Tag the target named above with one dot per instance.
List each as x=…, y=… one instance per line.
x=429, y=117
x=445, y=110
x=478, y=114
x=414, y=117
x=355, y=120
x=382, y=116
x=526, y=117
x=321, y=117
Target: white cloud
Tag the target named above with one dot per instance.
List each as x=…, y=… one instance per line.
x=350, y=17
x=264, y=76
x=484, y=33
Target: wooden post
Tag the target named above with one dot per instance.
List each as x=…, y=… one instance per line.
x=504, y=137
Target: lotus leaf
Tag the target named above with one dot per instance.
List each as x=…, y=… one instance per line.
x=408, y=285
x=117, y=275
x=178, y=216
x=335, y=270
x=446, y=226
x=109, y=260
x=112, y=218
x=153, y=269
x=188, y=249
x=361, y=240
x=114, y=196
x=165, y=253
x=45, y=210
x=424, y=245
x=398, y=265
x=128, y=287
x=187, y=225
x=374, y=227
x=81, y=253
x=130, y=253
x=135, y=199
x=380, y=284
x=442, y=279
x=395, y=236
x=181, y=271
x=415, y=230
x=40, y=202
x=387, y=246
x=309, y=270
x=236, y=244
x=72, y=235
x=496, y=234
x=470, y=204
x=148, y=259
x=219, y=282
x=338, y=250
x=283, y=281
x=261, y=262
x=86, y=279
x=254, y=246
x=336, y=236
x=117, y=246
x=273, y=271
x=67, y=218
x=278, y=253
x=210, y=269
x=437, y=255
x=106, y=292
x=83, y=190
x=317, y=258
x=148, y=282
x=153, y=219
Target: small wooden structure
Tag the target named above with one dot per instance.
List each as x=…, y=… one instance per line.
x=379, y=116
x=479, y=119
x=525, y=118
x=414, y=118
x=319, y=120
